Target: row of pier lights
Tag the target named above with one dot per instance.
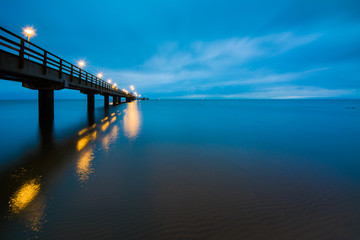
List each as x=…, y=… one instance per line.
x=30, y=32
x=82, y=63
x=46, y=97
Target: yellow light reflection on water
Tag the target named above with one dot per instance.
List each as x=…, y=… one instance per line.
x=82, y=142
x=35, y=215
x=28, y=202
x=93, y=135
x=84, y=166
x=105, y=126
x=132, y=120
x=104, y=119
x=83, y=131
x=106, y=142
x=113, y=119
x=24, y=196
x=112, y=114
x=111, y=137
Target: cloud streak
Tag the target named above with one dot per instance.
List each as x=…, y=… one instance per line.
x=203, y=67
x=225, y=52
x=284, y=92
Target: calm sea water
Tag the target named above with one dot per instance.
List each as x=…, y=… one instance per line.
x=213, y=169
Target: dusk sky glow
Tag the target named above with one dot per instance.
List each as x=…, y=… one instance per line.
x=200, y=49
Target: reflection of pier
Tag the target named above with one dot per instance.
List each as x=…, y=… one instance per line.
x=23, y=193
x=132, y=120
x=41, y=70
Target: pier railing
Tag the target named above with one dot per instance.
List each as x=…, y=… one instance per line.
x=24, y=49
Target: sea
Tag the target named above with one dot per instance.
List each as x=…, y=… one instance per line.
x=181, y=169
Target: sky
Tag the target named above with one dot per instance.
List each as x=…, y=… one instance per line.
x=200, y=49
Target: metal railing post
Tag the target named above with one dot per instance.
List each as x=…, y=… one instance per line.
x=21, y=53
x=44, y=62
x=71, y=72
x=60, y=68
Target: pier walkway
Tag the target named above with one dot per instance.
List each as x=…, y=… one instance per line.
x=38, y=69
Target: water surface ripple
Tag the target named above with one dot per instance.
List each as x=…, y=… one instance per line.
x=184, y=169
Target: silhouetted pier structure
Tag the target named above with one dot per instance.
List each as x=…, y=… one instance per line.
x=41, y=70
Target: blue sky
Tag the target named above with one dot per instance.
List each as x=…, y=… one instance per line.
x=196, y=49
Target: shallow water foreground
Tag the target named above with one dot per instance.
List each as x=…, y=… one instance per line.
x=213, y=169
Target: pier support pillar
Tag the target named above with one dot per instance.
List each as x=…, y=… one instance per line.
x=46, y=128
x=90, y=102
x=128, y=99
x=91, y=118
x=106, y=101
x=114, y=100
x=46, y=105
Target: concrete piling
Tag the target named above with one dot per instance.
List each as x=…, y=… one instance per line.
x=46, y=105
x=106, y=101
x=90, y=102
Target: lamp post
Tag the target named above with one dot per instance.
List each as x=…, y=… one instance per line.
x=29, y=32
x=81, y=64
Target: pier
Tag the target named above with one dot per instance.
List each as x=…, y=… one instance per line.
x=41, y=70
